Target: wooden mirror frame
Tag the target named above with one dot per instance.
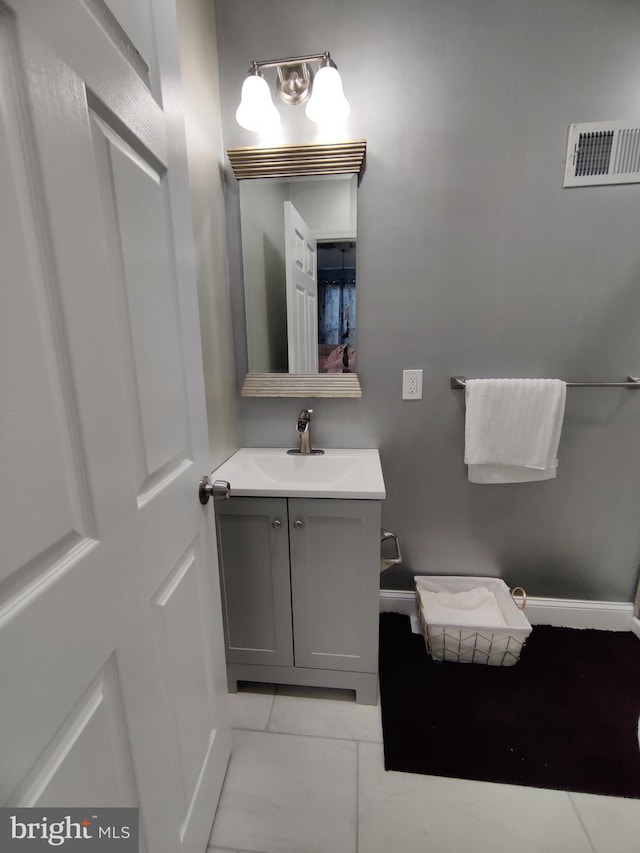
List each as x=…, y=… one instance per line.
x=287, y=161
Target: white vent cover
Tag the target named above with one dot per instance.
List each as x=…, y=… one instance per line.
x=603, y=152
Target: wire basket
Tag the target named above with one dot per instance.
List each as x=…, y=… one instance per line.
x=465, y=643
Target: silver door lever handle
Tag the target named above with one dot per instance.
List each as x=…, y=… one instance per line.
x=220, y=490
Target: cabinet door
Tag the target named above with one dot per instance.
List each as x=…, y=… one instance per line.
x=254, y=572
x=335, y=571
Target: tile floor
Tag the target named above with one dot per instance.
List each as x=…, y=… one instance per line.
x=307, y=776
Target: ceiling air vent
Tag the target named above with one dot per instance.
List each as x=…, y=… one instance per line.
x=603, y=152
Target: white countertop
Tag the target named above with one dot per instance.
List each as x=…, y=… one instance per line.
x=271, y=472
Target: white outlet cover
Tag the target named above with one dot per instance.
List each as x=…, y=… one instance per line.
x=412, y=384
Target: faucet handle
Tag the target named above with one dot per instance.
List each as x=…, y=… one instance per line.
x=304, y=420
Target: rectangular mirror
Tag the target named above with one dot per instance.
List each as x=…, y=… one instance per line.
x=298, y=218
x=298, y=255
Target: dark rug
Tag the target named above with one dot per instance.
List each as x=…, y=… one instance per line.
x=564, y=717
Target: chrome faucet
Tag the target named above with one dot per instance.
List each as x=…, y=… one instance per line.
x=303, y=426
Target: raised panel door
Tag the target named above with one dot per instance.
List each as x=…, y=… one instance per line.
x=111, y=648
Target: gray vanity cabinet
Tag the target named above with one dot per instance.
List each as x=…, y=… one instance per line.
x=300, y=587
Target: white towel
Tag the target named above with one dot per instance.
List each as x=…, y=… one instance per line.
x=476, y=607
x=512, y=429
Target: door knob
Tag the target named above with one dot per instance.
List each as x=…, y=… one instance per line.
x=297, y=523
x=219, y=491
x=277, y=523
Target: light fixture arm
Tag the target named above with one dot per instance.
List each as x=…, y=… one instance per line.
x=291, y=60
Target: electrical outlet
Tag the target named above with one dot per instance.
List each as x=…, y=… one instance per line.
x=412, y=385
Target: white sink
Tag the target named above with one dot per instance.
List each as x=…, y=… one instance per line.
x=268, y=471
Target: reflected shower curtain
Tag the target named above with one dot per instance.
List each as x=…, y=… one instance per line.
x=337, y=318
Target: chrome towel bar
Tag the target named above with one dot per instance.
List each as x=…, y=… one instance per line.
x=460, y=382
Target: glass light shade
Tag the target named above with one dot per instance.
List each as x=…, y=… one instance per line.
x=256, y=111
x=327, y=101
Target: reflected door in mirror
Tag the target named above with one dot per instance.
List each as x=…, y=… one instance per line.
x=302, y=292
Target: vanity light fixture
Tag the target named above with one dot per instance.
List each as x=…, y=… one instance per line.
x=295, y=84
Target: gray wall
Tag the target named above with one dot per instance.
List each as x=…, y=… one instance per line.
x=264, y=270
x=473, y=259
x=205, y=154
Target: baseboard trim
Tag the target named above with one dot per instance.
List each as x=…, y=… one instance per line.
x=398, y=601
x=559, y=612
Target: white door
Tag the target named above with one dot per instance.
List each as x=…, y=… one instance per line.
x=302, y=292
x=112, y=679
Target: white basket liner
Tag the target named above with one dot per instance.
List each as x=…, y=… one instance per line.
x=499, y=646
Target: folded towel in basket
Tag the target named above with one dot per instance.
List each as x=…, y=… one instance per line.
x=512, y=429
x=475, y=607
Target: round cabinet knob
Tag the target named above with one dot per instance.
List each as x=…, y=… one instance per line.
x=277, y=523
x=297, y=523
